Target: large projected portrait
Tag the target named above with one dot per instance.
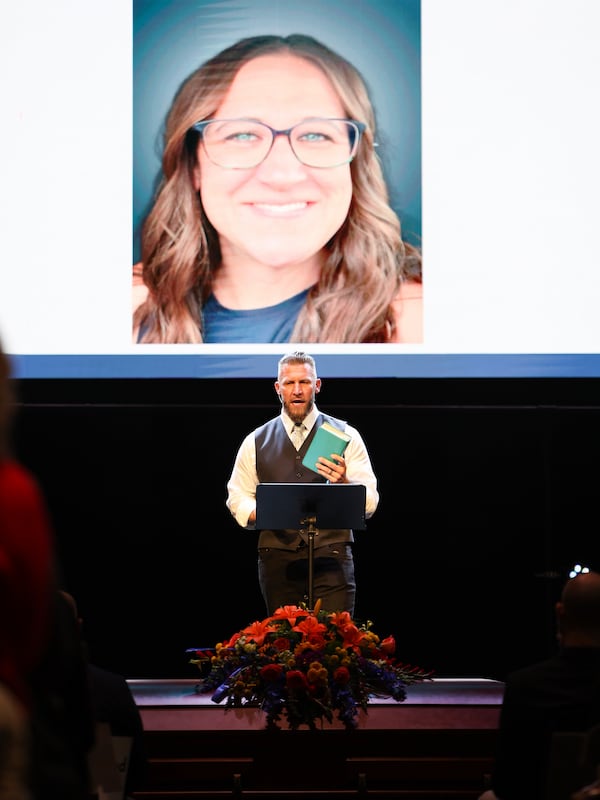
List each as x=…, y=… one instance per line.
x=270, y=217
x=374, y=179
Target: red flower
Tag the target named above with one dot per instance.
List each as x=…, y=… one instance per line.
x=296, y=679
x=316, y=640
x=271, y=672
x=389, y=645
x=341, y=675
x=281, y=643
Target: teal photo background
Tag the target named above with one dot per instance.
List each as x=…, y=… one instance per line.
x=381, y=38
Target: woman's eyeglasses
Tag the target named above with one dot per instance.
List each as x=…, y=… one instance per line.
x=245, y=143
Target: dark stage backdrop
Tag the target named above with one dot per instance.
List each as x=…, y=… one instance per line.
x=489, y=494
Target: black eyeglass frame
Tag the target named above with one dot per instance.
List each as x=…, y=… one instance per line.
x=360, y=127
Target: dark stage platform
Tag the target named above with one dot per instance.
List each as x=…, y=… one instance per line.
x=438, y=743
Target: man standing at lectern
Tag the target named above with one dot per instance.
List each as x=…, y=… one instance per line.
x=273, y=453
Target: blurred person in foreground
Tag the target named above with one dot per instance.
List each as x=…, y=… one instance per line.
x=40, y=662
x=558, y=694
x=113, y=703
x=26, y=584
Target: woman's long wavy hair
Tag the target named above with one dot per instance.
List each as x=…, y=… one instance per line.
x=367, y=258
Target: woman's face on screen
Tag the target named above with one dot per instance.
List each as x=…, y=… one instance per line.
x=279, y=212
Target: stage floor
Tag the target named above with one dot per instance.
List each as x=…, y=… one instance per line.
x=442, y=703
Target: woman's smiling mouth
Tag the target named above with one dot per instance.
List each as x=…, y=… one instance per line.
x=280, y=209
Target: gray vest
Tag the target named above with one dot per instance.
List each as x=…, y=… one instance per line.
x=278, y=461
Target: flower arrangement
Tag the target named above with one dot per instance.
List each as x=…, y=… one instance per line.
x=303, y=666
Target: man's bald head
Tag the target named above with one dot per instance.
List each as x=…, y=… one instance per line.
x=578, y=610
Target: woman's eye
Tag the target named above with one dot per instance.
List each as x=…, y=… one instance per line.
x=313, y=137
x=242, y=136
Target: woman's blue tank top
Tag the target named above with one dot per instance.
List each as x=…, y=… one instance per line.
x=256, y=325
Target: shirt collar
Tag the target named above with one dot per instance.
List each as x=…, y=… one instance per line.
x=309, y=420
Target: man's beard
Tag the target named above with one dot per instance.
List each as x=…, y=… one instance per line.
x=299, y=413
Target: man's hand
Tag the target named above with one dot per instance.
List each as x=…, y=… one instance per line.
x=334, y=470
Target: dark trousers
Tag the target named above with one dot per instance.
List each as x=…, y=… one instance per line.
x=283, y=577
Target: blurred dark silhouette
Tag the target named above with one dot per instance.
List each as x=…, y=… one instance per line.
x=551, y=699
x=113, y=703
x=41, y=660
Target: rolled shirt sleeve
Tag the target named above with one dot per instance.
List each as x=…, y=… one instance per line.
x=360, y=470
x=241, y=487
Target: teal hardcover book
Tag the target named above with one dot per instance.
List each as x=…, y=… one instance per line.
x=327, y=440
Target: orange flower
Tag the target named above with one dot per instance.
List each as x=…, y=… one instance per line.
x=289, y=613
x=310, y=626
x=352, y=637
x=341, y=620
x=317, y=673
x=232, y=641
x=258, y=630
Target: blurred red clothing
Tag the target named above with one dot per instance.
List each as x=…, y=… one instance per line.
x=27, y=576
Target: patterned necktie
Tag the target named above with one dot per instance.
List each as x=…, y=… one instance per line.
x=298, y=434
